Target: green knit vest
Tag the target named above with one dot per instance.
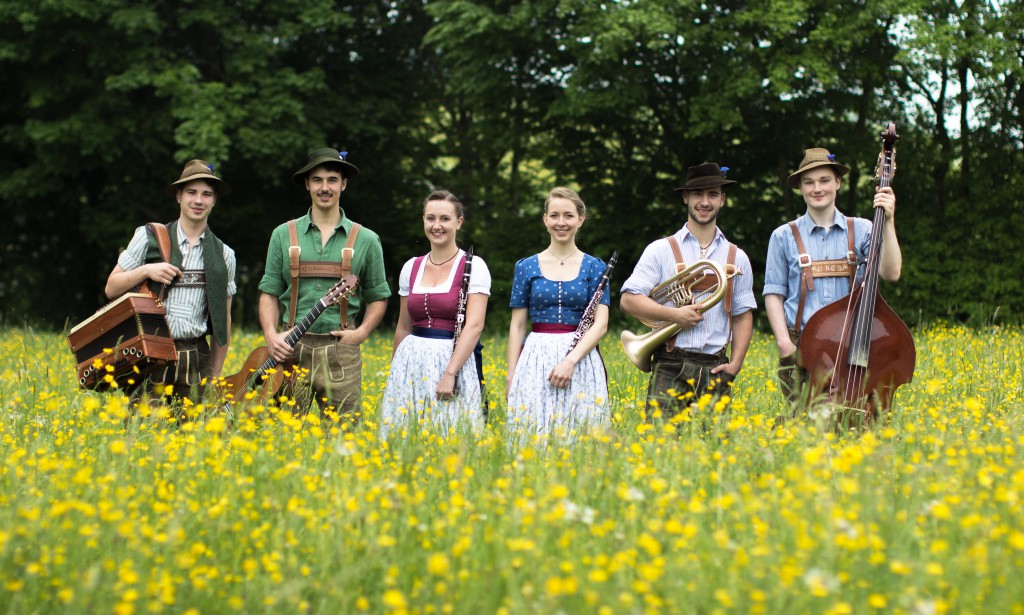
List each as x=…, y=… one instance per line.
x=216, y=277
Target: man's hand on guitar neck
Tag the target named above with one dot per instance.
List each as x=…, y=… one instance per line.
x=278, y=347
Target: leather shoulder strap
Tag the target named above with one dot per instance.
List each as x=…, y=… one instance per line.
x=676, y=253
x=294, y=251
x=346, y=268
x=163, y=239
x=851, y=254
x=807, y=284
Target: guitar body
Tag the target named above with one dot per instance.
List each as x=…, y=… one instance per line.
x=261, y=375
x=235, y=384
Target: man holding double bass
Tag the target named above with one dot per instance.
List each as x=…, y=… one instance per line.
x=695, y=360
x=813, y=260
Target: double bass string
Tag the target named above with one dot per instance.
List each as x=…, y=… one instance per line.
x=860, y=337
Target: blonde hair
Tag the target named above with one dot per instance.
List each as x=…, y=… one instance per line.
x=569, y=194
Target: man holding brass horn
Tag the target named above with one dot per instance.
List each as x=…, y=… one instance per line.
x=677, y=288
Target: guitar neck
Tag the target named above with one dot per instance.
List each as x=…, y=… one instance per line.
x=302, y=326
x=293, y=337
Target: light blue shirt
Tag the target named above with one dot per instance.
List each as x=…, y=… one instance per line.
x=782, y=272
x=658, y=264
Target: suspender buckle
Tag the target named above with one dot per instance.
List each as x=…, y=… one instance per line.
x=804, y=260
x=851, y=257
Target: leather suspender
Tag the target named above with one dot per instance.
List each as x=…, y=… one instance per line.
x=836, y=268
x=708, y=283
x=318, y=269
x=293, y=267
x=346, y=268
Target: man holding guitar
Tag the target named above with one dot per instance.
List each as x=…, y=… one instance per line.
x=320, y=248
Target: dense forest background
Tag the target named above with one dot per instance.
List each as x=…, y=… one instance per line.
x=104, y=100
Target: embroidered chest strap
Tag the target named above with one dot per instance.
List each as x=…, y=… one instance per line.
x=810, y=269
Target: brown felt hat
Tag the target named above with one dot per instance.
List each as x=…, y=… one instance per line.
x=814, y=158
x=198, y=169
x=326, y=155
x=707, y=175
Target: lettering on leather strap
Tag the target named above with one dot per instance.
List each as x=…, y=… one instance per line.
x=320, y=269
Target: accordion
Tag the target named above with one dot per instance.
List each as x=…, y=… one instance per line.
x=126, y=339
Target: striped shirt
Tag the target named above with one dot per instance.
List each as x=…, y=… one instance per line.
x=782, y=270
x=658, y=264
x=186, y=307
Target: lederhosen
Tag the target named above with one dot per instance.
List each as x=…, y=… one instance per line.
x=675, y=367
x=791, y=374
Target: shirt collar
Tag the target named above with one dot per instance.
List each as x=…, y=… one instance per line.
x=182, y=239
x=344, y=223
x=806, y=223
x=684, y=232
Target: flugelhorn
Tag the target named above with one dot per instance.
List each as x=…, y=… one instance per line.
x=700, y=285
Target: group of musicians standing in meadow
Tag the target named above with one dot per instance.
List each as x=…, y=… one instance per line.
x=556, y=376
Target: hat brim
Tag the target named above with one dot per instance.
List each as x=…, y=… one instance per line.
x=705, y=182
x=349, y=169
x=222, y=186
x=840, y=170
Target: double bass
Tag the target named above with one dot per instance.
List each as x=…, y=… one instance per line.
x=856, y=350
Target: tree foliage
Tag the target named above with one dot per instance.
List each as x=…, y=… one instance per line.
x=500, y=101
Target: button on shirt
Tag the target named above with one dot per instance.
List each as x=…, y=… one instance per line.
x=186, y=306
x=367, y=264
x=658, y=264
x=782, y=271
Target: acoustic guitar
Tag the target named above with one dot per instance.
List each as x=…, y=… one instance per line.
x=258, y=373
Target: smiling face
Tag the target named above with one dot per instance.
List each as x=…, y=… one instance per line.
x=703, y=205
x=325, y=185
x=197, y=199
x=819, y=188
x=562, y=219
x=441, y=222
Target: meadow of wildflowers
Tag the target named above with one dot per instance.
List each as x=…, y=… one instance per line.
x=104, y=510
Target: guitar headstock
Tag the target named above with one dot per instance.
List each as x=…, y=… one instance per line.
x=345, y=287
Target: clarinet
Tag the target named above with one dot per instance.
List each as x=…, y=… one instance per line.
x=460, y=314
x=588, y=314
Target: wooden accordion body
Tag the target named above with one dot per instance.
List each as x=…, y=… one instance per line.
x=126, y=334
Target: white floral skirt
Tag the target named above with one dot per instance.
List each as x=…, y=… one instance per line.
x=535, y=406
x=411, y=391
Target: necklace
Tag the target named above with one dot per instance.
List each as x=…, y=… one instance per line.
x=561, y=259
x=444, y=261
x=704, y=249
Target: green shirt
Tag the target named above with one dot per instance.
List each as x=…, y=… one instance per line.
x=367, y=263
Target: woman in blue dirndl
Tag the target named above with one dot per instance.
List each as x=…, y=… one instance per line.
x=428, y=381
x=551, y=390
